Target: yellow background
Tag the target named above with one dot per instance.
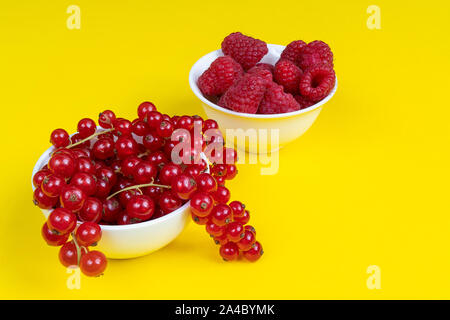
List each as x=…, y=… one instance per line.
x=366, y=185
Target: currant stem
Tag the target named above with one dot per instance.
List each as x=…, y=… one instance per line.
x=89, y=138
x=138, y=186
x=78, y=248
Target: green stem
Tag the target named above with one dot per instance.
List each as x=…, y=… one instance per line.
x=89, y=138
x=138, y=186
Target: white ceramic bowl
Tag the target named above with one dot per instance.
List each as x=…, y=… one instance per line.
x=133, y=240
x=291, y=125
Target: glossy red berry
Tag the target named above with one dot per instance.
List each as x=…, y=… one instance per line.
x=185, y=122
x=59, y=138
x=68, y=255
x=62, y=220
x=221, y=214
x=184, y=186
x=193, y=171
x=199, y=220
x=72, y=198
x=62, y=165
x=169, y=172
x=106, y=119
x=88, y=234
x=219, y=170
x=43, y=201
x=247, y=241
x=86, y=182
x=250, y=228
x=215, y=230
x=201, y=204
x=238, y=208
x=111, y=210
x=235, y=231
x=222, y=195
x=128, y=164
x=152, y=141
x=123, y=127
x=40, y=176
x=254, y=253
x=206, y=182
x=53, y=238
x=103, y=148
x=139, y=127
x=86, y=127
x=125, y=147
x=154, y=118
x=103, y=189
x=231, y=171
x=229, y=251
x=210, y=124
x=84, y=164
x=141, y=207
x=76, y=138
x=107, y=174
x=165, y=128
x=230, y=156
x=157, y=158
x=169, y=202
x=52, y=185
x=144, y=172
x=153, y=192
x=91, y=210
x=93, y=263
x=244, y=219
x=144, y=108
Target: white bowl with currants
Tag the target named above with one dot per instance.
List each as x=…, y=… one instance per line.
x=125, y=189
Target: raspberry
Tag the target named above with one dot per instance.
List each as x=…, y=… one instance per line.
x=266, y=66
x=245, y=95
x=293, y=50
x=317, y=82
x=262, y=72
x=220, y=76
x=316, y=53
x=245, y=50
x=303, y=102
x=288, y=75
x=277, y=101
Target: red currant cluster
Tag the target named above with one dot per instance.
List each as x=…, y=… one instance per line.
x=129, y=172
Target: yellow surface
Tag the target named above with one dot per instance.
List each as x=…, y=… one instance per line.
x=366, y=185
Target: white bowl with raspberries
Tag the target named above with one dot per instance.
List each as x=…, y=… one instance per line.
x=263, y=90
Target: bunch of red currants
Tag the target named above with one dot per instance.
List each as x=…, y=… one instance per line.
x=128, y=172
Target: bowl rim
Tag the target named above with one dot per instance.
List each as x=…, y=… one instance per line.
x=217, y=53
x=45, y=156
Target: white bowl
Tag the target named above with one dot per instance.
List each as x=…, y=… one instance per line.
x=290, y=125
x=133, y=240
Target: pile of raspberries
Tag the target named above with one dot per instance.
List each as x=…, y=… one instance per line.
x=237, y=81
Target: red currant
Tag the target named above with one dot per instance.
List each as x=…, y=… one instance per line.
x=153, y=119
x=111, y=210
x=214, y=230
x=250, y=228
x=86, y=127
x=72, y=198
x=91, y=211
x=144, y=172
x=103, y=148
x=238, y=208
x=221, y=214
x=93, y=263
x=62, y=165
x=62, y=221
x=220, y=181
x=222, y=239
x=103, y=188
x=77, y=138
x=85, y=165
x=165, y=128
x=206, y=182
x=222, y=195
x=88, y=234
x=128, y=165
x=158, y=158
x=235, y=231
x=254, y=253
x=52, y=185
x=229, y=156
x=68, y=255
x=210, y=124
x=247, y=241
x=201, y=204
x=244, y=219
x=59, y=138
x=193, y=171
x=86, y=182
x=153, y=192
x=152, y=141
x=169, y=172
x=123, y=127
x=107, y=174
x=53, y=238
x=139, y=127
x=43, y=201
x=141, y=207
x=185, y=122
x=199, y=220
x=231, y=172
x=106, y=119
x=229, y=251
x=124, y=219
x=40, y=176
x=169, y=202
x=125, y=147
x=144, y=108
x=184, y=186
x=219, y=170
